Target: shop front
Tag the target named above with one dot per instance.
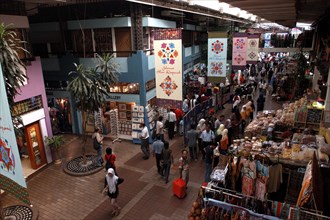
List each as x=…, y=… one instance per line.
x=62, y=112
x=115, y=119
x=33, y=152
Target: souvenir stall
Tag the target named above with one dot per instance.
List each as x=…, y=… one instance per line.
x=264, y=177
x=249, y=199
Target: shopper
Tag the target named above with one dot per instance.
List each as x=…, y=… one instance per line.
x=172, y=121
x=144, y=137
x=260, y=102
x=185, y=106
x=219, y=133
x=159, y=128
x=167, y=161
x=192, y=136
x=208, y=161
x=112, y=181
x=224, y=142
x=184, y=166
x=110, y=159
x=244, y=117
x=207, y=137
x=157, y=149
x=97, y=144
x=200, y=128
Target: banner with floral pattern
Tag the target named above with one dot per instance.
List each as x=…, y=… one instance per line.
x=11, y=173
x=252, y=48
x=168, y=64
x=239, y=50
x=217, y=57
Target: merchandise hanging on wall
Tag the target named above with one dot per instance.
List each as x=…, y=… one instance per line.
x=217, y=54
x=168, y=63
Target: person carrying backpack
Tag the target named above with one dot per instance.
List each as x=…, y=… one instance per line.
x=97, y=145
x=110, y=159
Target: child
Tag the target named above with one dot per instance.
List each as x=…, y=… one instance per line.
x=184, y=166
x=110, y=160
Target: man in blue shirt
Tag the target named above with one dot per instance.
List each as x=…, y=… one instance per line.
x=157, y=149
x=207, y=137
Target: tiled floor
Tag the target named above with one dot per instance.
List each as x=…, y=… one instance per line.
x=143, y=195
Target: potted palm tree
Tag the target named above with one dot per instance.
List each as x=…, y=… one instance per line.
x=55, y=143
x=89, y=88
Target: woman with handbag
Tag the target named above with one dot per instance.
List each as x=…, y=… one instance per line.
x=111, y=184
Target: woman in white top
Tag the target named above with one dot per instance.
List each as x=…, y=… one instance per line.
x=112, y=181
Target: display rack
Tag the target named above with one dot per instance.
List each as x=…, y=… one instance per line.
x=137, y=118
x=308, y=117
x=114, y=125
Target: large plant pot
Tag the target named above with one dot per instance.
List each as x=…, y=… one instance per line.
x=57, y=156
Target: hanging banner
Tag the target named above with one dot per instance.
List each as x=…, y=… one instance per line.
x=168, y=64
x=252, y=48
x=11, y=173
x=217, y=55
x=239, y=50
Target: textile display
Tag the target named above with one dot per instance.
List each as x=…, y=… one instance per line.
x=252, y=48
x=239, y=51
x=168, y=64
x=217, y=56
x=11, y=173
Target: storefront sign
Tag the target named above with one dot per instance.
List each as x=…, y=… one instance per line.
x=168, y=64
x=11, y=173
x=124, y=98
x=252, y=48
x=239, y=50
x=217, y=54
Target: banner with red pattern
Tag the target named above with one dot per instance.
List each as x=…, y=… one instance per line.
x=239, y=50
x=11, y=174
x=168, y=64
x=217, y=57
x=252, y=48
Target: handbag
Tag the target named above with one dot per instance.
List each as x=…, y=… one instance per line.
x=105, y=191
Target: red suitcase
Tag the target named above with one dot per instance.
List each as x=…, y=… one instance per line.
x=179, y=188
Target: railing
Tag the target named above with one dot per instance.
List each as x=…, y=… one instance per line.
x=194, y=115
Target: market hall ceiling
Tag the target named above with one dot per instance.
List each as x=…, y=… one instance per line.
x=284, y=12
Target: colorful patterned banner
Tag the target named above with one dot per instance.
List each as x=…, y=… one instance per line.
x=217, y=57
x=239, y=50
x=11, y=173
x=252, y=48
x=168, y=64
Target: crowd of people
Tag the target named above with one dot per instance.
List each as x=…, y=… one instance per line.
x=210, y=137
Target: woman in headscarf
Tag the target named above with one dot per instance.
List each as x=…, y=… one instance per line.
x=230, y=130
x=224, y=142
x=112, y=181
x=219, y=133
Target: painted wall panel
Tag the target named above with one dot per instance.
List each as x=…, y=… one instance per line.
x=16, y=20
x=159, y=23
x=187, y=51
x=151, y=62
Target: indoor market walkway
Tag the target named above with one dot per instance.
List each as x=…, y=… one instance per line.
x=143, y=195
